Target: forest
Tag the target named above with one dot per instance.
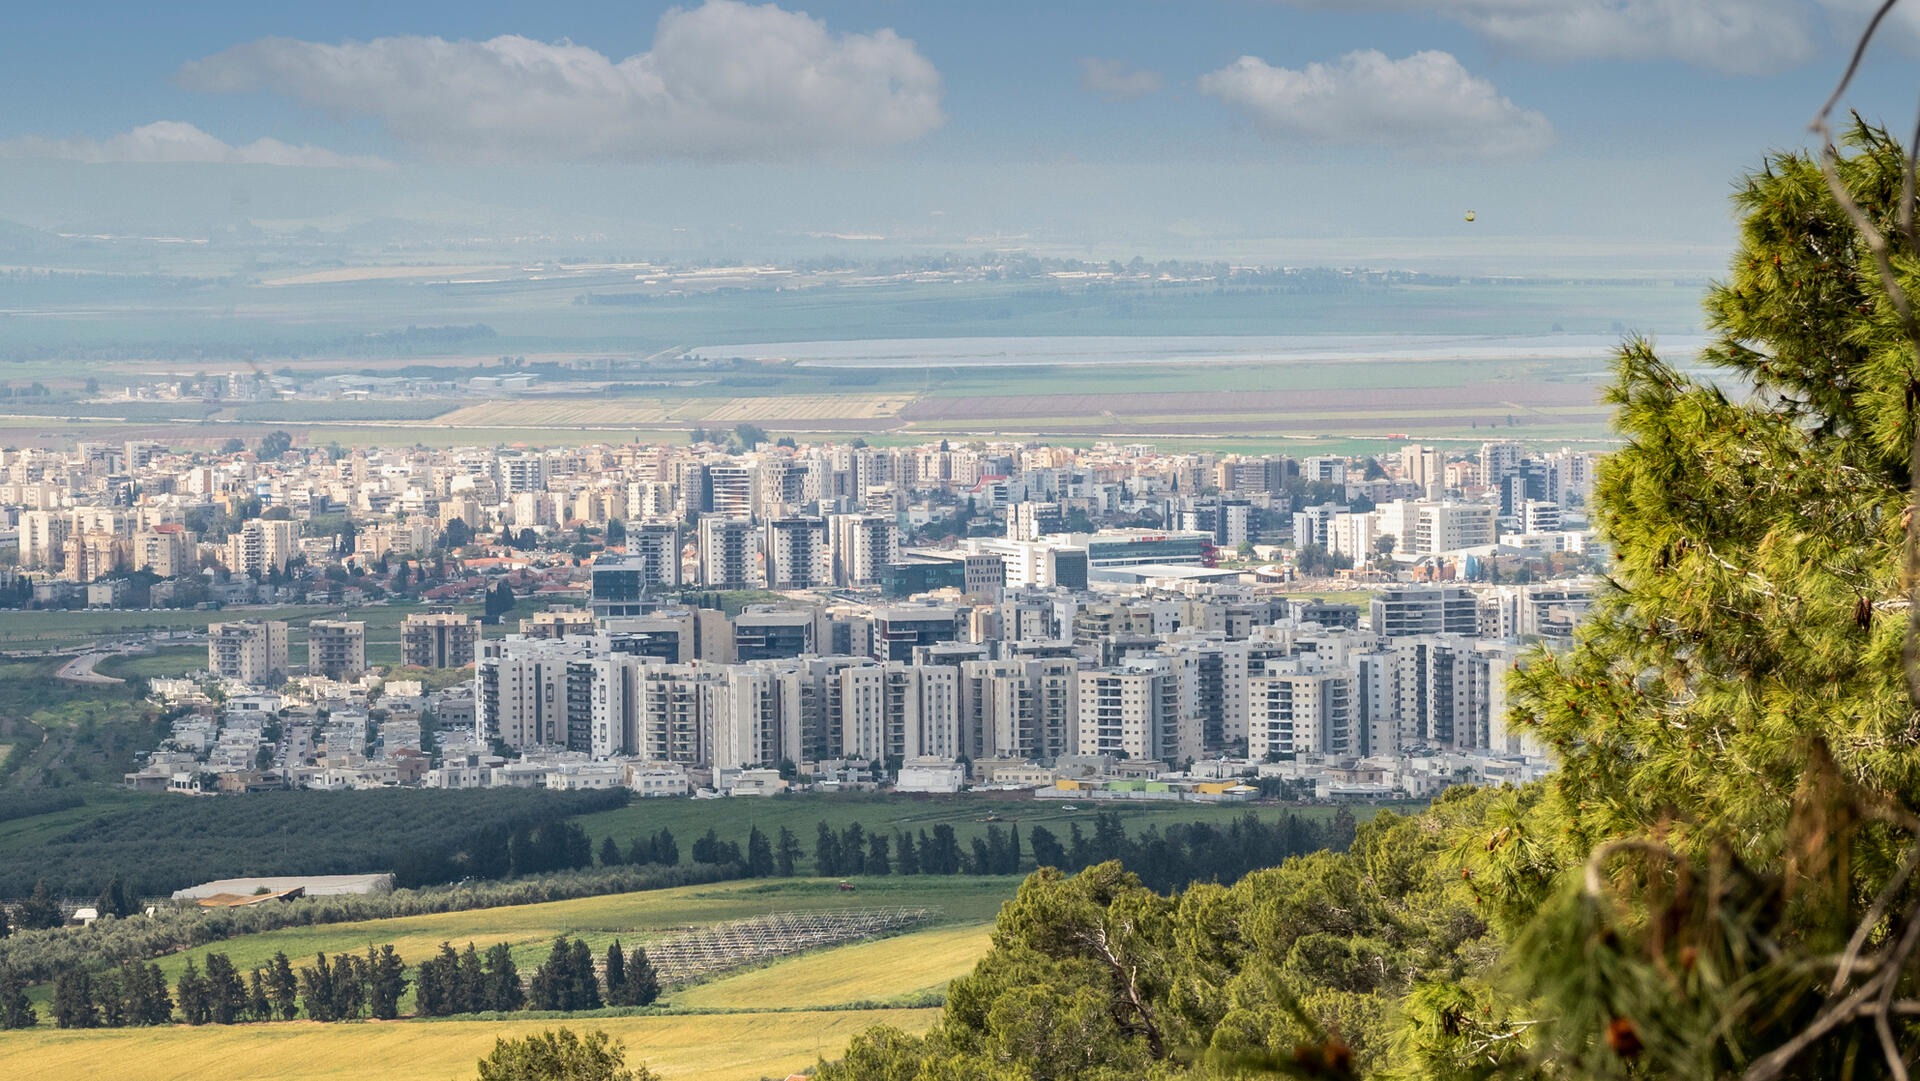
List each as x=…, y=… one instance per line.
x=1717, y=882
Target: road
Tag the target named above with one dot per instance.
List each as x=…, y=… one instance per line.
x=80, y=669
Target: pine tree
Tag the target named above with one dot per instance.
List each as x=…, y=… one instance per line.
x=503, y=991
x=73, y=1005
x=113, y=900
x=283, y=987
x=550, y=988
x=470, y=983
x=434, y=994
x=226, y=995
x=609, y=852
x=786, y=852
x=386, y=981
x=583, y=983
x=15, y=1010
x=616, y=975
x=826, y=852
x=40, y=911
x=853, y=850
x=349, y=986
x=259, y=1006
x=191, y=992
x=317, y=993
x=110, y=998
x=643, y=983
x=153, y=1006
x=759, y=854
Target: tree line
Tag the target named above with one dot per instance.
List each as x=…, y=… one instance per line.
x=344, y=988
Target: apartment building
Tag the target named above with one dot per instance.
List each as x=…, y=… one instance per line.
x=253, y=652
x=439, y=639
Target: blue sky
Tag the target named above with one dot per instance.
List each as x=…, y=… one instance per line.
x=1104, y=124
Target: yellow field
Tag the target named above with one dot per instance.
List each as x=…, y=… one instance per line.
x=864, y=972
x=709, y=1047
x=578, y=413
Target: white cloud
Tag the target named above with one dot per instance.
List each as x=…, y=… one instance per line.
x=174, y=141
x=725, y=80
x=1115, y=81
x=1749, y=37
x=1901, y=27
x=1426, y=105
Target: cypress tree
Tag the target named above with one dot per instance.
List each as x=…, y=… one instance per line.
x=616, y=974
x=154, y=1006
x=786, y=852
x=349, y=986
x=15, y=1010
x=40, y=911
x=259, y=1006
x=908, y=857
x=609, y=852
x=196, y=1005
x=73, y=1005
x=283, y=988
x=470, y=984
x=317, y=993
x=583, y=983
x=551, y=984
x=826, y=852
x=386, y=981
x=877, y=861
x=853, y=850
x=643, y=983
x=503, y=991
x=759, y=854
x=110, y=996
x=226, y=995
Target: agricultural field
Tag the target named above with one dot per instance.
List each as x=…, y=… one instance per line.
x=634, y=919
x=910, y=967
x=737, y=1046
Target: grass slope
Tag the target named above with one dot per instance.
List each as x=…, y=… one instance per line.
x=725, y=1047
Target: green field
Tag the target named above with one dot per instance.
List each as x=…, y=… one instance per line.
x=700, y=1047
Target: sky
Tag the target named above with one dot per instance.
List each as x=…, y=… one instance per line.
x=1584, y=134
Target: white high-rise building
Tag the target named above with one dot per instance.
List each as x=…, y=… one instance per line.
x=798, y=556
x=863, y=545
x=727, y=552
